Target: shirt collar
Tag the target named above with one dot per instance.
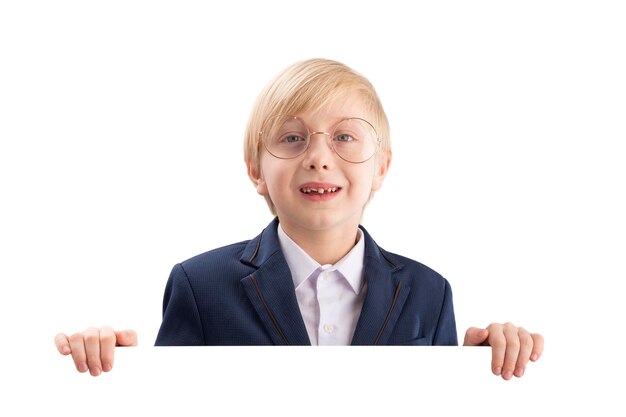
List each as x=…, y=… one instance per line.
x=302, y=266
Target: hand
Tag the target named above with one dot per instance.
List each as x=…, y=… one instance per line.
x=512, y=347
x=93, y=349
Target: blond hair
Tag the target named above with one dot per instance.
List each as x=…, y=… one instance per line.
x=308, y=86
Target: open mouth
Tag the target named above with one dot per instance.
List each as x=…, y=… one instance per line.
x=311, y=190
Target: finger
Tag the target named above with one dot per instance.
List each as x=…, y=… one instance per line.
x=126, y=338
x=525, y=350
x=537, y=347
x=512, y=350
x=77, y=345
x=107, y=347
x=92, y=350
x=63, y=344
x=475, y=336
x=497, y=341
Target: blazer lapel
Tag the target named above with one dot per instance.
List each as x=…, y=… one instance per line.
x=270, y=289
x=385, y=297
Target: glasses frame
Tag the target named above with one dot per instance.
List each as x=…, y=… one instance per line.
x=311, y=133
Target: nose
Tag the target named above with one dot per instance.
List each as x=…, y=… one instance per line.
x=319, y=155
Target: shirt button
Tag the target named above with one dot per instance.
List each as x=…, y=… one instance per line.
x=328, y=328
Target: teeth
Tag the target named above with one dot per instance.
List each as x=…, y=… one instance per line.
x=308, y=190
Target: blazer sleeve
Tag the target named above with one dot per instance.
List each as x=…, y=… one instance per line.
x=445, y=333
x=181, y=325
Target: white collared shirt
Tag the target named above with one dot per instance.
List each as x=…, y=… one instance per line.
x=330, y=297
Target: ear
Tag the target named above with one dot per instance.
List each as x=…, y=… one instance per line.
x=255, y=175
x=383, y=160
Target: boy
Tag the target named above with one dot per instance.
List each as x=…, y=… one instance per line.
x=316, y=148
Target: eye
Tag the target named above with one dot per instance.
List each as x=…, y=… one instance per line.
x=292, y=138
x=344, y=137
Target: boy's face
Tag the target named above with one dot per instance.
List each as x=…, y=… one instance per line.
x=293, y=184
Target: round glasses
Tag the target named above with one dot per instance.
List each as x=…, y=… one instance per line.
x=353, y=140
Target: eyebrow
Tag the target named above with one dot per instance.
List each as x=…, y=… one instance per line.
x=336, y=121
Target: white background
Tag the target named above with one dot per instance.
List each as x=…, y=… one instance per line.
x=121, y=126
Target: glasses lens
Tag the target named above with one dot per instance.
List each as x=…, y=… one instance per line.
x=285, y=136
x=355, y=140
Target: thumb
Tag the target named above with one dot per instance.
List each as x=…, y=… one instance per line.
x=475, y=336
x=126, y=338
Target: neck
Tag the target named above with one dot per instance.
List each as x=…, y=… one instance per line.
x=325, y=246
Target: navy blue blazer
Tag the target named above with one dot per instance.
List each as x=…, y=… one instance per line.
x=243, y=294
